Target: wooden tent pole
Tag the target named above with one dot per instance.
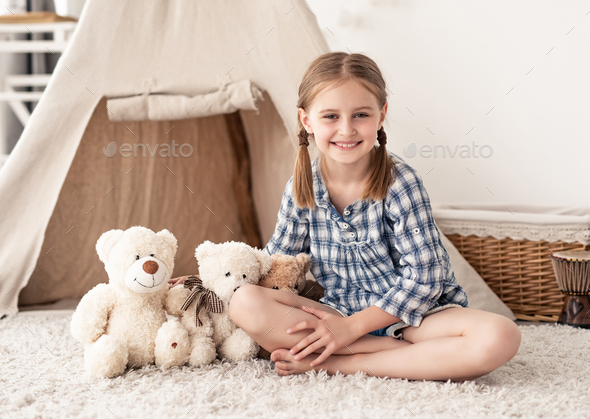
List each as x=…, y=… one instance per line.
x=242, y=182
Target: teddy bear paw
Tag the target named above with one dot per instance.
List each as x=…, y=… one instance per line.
x=239, y=346
x=172, y=345
x=203, y=352
x=107, y=357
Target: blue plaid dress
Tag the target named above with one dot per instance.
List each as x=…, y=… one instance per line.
x=386, y=253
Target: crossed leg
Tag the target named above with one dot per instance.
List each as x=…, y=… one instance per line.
x=457, y=343
x=266, y=314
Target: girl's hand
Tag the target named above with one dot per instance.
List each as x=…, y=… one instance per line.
x=177, y=281
x=332, y=331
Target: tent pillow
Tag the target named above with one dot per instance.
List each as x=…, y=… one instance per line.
x=479, y=295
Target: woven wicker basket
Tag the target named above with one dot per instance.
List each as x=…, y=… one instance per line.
x=519, y=272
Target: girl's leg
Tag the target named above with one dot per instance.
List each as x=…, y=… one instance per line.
x=266, y=314
x=456, y=343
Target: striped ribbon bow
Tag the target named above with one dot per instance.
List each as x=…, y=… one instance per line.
x=206, y=298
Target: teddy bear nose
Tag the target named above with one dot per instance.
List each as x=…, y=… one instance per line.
x=150, y=267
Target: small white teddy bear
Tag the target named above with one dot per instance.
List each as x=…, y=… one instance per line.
x=202, y=347
x=123, y=323
x=222, y=269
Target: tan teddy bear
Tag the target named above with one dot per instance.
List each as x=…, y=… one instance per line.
x=287, y=273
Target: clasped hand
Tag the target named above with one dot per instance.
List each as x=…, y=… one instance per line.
x=331, y=330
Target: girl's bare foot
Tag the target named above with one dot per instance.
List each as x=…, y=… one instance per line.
x=286, y=364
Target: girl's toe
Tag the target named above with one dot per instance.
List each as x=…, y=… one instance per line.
x=279, y=355
x=286, y=366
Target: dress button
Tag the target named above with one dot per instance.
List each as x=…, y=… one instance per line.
x=416, y=230
x=351, y=234
x=346, y=212
x=345, y=225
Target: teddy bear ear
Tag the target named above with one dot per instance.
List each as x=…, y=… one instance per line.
x=168, y=238
x=204, y=249
x=106, y=242
x=304, y=261
x=264, y=259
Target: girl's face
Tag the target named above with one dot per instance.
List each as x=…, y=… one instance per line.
x=344, y=121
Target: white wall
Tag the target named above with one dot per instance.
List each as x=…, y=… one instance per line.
x=510, y=75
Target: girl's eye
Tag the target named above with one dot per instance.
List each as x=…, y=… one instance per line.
x=244, y=276
x=295, y=286
x=228, y=274
x=328, y=116
x=137, y=257
x=152, y=255
x=275, y=288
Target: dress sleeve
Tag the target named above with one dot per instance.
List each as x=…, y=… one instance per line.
x=291, y=235
x=421, y=252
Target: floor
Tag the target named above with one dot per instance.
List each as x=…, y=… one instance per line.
x=43, y=366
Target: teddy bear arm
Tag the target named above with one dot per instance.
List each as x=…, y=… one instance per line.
x=90, y=318
x=174, y=299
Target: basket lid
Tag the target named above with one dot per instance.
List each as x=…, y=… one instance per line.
x=573, y=255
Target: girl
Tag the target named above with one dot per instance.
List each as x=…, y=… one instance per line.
x=392, y=306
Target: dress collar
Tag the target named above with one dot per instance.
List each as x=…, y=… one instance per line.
x=322, y=197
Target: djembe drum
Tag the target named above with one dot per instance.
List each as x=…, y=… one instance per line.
x=572, y=272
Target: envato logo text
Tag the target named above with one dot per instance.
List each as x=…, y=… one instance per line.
x=163, y=150
x=465, y=151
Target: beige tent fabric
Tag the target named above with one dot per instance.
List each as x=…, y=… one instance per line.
x=100, y=193
x=272, y=158
x=71, y=267
x=183, y=48
x=239, y=95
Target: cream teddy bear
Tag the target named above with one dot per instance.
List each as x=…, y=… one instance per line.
x=202, y=347
x=123, y=323
x=222, y=269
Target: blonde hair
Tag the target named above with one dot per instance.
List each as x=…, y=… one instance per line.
x=334, y=69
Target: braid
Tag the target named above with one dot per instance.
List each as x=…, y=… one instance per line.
x=302, y=176
x=303, y=138
x=381, y=136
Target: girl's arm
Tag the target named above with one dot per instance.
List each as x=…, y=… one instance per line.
x=423, y=259
x=369, y=319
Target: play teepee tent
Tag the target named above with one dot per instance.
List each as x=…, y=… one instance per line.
x=170, y=114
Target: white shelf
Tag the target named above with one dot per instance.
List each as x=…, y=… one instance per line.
x=20, y=96
x=37, y=27
x=27, y=80
x=50, y=47
x=62, y=32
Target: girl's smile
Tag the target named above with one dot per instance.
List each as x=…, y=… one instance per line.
x=346, y=145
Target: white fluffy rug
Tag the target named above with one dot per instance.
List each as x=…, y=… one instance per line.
x=42, y=376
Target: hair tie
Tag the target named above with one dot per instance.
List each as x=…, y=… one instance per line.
x=303, y=138
x=381, y=136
